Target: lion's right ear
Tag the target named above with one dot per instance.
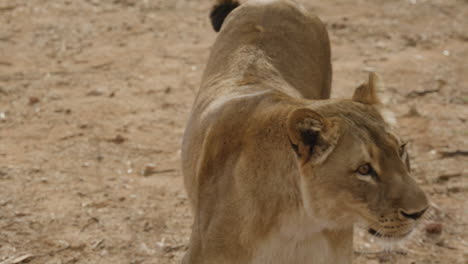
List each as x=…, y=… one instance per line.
x=312, y=136
x=367, y=92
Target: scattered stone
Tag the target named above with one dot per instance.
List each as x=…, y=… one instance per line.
x=161, y=243
x=98, y=244
x=447, y=177
x=33, y=100
x=8, y=8
x=433, y=228
x=410, y=41
x=442, y=243
x=164, y=171
x=147, y=227
x=149, y=170
x=101, y=65
x=169, y=249
x=62, y=110
x=3, y=91
x=4, y=202
x=96, y=92
x=118, y=139
x=18, y=260
x=417, y=93
x=338, y=26
x=453, y=153
x=413, y=112
x=145, y=249
x=459, y=100
x=458, y=188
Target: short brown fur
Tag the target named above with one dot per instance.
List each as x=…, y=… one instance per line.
x=270, y=162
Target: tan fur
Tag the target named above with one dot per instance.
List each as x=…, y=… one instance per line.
x=270, y=162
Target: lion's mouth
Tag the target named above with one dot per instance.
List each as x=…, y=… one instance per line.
x=380, y=235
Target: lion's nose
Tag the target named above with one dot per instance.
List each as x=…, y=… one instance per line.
x=414, y=215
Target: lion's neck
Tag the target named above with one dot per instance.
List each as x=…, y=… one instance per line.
x=300, y=233
x=299, y=240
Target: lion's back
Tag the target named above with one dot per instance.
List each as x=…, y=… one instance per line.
x=295, y=42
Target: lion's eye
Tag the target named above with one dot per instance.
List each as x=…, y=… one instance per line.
x=365, y=169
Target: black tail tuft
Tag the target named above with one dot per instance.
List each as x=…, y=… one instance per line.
x=221, y=11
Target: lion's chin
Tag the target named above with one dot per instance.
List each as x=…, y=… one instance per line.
x=389, y=238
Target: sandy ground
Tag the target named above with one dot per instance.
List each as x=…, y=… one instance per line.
x=92, y=92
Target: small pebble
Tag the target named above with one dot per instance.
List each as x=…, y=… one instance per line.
x=118, y=139
x=433, y=228
x=149, y=169
x=33, y=100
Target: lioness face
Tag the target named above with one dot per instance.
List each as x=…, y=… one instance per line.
x=369, y=174
x=354, y=169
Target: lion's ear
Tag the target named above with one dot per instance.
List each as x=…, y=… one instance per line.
x=312, y=136
x=367, y=92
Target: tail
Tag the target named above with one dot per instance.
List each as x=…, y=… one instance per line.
x=220, y=11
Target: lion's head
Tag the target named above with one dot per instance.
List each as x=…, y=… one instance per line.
x=354, y=168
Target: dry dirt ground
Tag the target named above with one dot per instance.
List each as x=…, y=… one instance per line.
x=93, y=92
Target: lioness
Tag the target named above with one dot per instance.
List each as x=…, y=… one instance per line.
x=276, y=172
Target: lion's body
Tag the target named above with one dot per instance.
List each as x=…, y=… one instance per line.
x=241, y=174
